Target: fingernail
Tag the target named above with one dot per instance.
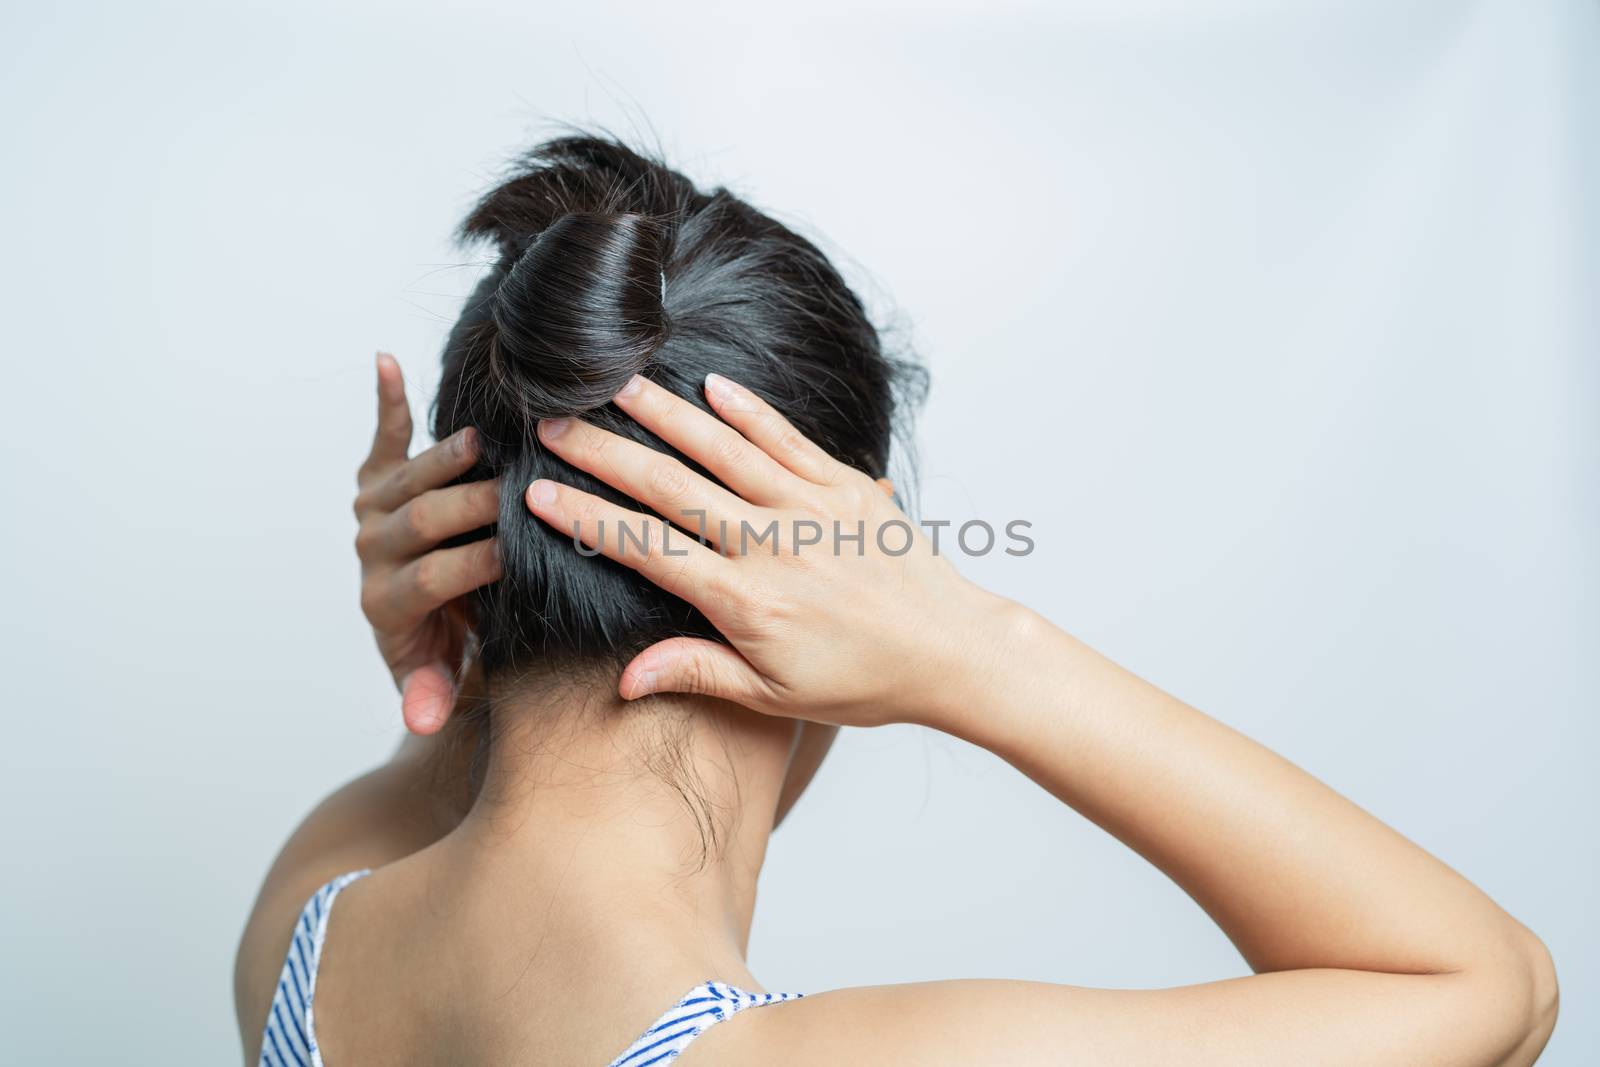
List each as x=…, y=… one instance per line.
x=728, y=394
x=645, y=673
x=648, y=669
x=644, y=683
x=465, y=440
x=550, y=429
x=542, y=493
x=632, y=388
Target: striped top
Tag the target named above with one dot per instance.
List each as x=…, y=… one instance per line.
x=700, y=1009
x=290, y=1039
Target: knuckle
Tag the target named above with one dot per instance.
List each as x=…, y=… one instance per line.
x=669, y=547
x=857, y=489
x=429, y=577
x=401, y=483
x=654, y=547
x=670, y=408
x=417, y=519
x=698, y=676
x=486, y=558
x=683, y=585
x=484, y=499
x=772, y=426
x=585, y=509
x=371, y=600
x=366, y=540
x=728, y=451
x=831, y=473
x=791, y=441
x=668, y=481
x=596, y=445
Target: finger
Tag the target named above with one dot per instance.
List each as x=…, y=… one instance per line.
x=426, y=697
x=662, y=483
x=694, y=665
x=761, y=424
x=392, y=441
x=674, y=561
x=439, y=465
x=432, y=581
x=772, y=432
x=436, y=515
x=707, y=440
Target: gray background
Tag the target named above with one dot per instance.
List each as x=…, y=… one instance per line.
x=1277, y=321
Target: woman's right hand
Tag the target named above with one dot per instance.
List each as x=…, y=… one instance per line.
x=411, y=589
x=818, y=631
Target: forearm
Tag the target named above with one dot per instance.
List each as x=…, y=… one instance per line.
x=1297, y=876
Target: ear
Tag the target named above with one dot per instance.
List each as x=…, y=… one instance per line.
x=887, y=486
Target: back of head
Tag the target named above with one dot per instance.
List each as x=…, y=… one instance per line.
x=609, y=265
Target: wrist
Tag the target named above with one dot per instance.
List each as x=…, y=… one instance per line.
x=993, y=644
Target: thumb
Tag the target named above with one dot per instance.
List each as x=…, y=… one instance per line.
x=693, y=665
x=427, y=696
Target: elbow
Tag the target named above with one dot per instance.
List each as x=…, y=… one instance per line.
x=1544, y=993
x=1526, y=996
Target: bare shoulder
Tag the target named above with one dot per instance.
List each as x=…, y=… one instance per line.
x=379, y=818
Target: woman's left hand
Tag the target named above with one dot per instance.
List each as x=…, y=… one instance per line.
x=411, y=589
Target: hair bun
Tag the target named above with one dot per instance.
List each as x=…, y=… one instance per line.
x=579, y=312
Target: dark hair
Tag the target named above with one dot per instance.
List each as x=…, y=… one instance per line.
x=611, y=264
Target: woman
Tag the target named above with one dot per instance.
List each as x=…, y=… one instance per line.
x=570, y=866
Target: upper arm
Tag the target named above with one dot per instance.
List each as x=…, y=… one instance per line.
x=812, y=742
x=1301, y=1017
x=376, y=819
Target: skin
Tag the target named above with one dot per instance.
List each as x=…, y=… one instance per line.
x=1366, y=948
x=410, y=592
x=413, y=595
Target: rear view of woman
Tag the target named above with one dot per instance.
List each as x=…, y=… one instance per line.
x=649, y=407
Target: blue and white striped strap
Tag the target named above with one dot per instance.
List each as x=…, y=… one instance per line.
x=700, y=1009
x=290, y=1039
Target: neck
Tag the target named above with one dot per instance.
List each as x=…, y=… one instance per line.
x=617, y=834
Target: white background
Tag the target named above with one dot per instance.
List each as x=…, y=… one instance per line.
x=1277, y=321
